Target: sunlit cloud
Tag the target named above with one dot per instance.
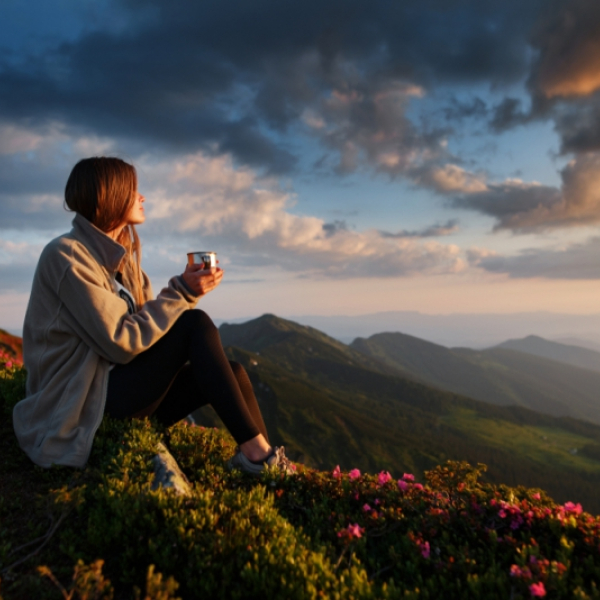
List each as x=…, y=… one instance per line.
x=568, y=39
x=250, y=215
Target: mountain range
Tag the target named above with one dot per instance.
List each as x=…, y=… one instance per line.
x=519, y=372
x=569, y=354
x=336, y=404
x=394, y=402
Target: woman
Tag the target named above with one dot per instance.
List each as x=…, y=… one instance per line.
x=95, y=341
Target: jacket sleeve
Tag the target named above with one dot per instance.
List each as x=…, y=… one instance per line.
x=100, y=316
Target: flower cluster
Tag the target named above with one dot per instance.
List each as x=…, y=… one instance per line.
x=9, y=362
x=447, y=531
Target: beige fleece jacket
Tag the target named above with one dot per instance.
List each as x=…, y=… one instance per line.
x=76, y=325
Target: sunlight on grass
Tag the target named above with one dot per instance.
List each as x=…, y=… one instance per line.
x=550, y=446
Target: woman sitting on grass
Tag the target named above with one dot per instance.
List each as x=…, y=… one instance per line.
x=96, y=342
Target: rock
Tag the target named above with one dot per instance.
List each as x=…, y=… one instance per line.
x=168, y=474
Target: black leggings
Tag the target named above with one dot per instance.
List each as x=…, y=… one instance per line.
x=186, y=369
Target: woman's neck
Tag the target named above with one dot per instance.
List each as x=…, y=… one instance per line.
x=115, y=233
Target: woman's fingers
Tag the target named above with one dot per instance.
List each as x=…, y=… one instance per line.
x=202, y=281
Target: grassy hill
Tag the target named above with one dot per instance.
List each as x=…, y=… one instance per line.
x=498, y=375
x=329, y=405
x=103, y=533
x=584, y=358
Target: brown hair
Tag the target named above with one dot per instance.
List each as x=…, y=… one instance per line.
x=103, y=190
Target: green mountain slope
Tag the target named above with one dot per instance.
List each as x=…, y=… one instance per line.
x=576, y=356
x=498, y=376
x=330, y=407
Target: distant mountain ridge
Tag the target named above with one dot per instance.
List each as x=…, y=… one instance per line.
x=574, y=355
x=498, y=375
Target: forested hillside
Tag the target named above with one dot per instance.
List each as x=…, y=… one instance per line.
x=329, y=405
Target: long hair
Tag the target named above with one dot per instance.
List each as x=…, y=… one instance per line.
x=103, y=190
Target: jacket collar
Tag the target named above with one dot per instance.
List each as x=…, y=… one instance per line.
x=107, y=251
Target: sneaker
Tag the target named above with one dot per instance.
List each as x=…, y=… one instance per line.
x=277, y=459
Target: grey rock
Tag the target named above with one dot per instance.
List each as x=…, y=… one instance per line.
x=168, y=474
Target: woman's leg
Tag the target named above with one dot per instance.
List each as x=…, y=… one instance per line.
x=183, y=398
x=154, y=379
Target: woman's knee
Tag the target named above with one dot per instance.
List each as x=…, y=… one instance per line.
x=195, y=319
x=237, y=368
x=240, y=373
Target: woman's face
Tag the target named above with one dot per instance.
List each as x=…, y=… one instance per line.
x=136, y=215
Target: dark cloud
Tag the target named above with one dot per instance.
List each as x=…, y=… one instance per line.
x=509, y=113
x=447, y=228
x=510, y=203
x=578, y=261
x=567, y=37
x=332, y=228
x=457, y=110
x=578, y=124
x=233, y=76
x=527, y=207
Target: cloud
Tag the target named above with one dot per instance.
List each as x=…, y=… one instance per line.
x=564, y=77
x=17, y=265
x=576, y=261
x=214, y=77
x=34, y=166
x=449, y=178
x=248, y=218
x=365, y=123
x=448, y=228
x=527, y=207
x=568, y=40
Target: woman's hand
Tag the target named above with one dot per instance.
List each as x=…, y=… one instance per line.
x=201, y=280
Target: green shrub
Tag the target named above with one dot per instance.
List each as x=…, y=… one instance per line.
x=311, y=535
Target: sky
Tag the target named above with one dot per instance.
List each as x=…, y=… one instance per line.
x=341, y=157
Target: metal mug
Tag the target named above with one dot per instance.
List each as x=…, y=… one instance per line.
x=208, y=259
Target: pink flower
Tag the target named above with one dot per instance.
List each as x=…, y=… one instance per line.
x=383, y=478
x=377, y=502
x=417, y=486
x=536, y=496
x=354, y=474
x=425, y=550
x=402, y=485
x=515, y=571
x=537, y=589
x=336, y=472
x=502, y=513
x=8, y=364
x=355, y=530
x=366, y=508
x=356, y=496
x=568, y=507
x=408, y=477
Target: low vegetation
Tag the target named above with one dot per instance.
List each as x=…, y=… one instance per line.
x=102, y=532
